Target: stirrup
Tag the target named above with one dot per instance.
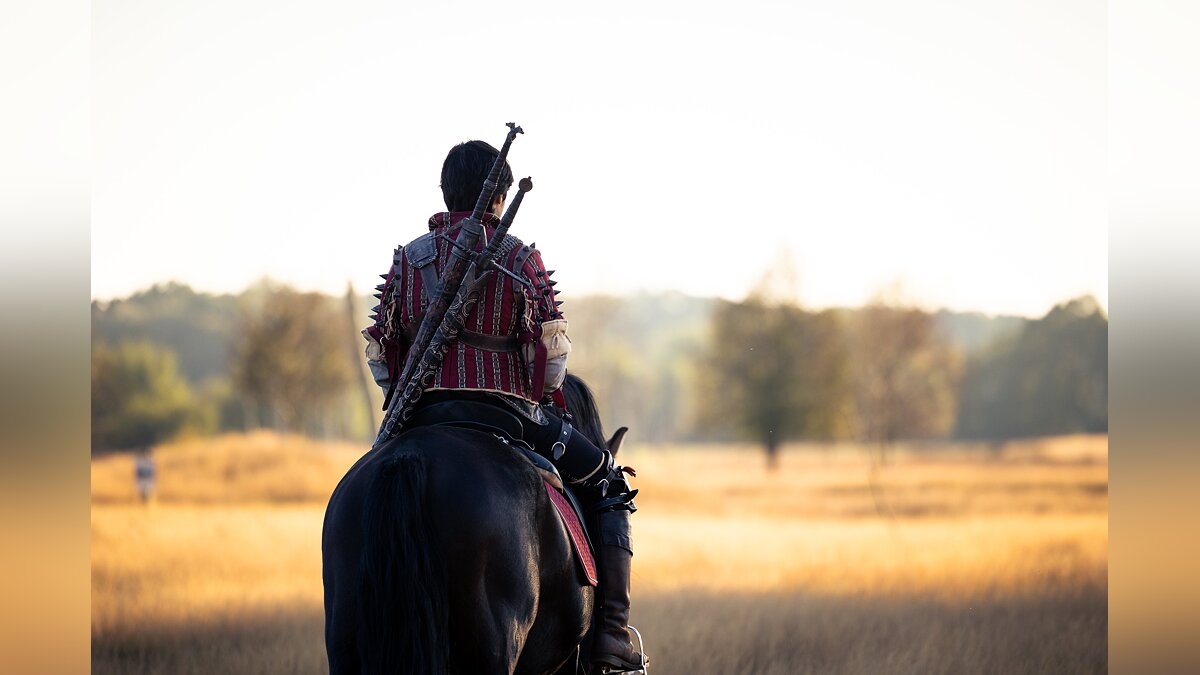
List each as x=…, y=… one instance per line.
x=605, y=669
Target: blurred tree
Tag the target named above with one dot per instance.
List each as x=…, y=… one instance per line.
x=1050, y=378
x=138, y=396
x=220, y=407
x=289, y=358
x=776, y=371
x=358, y=362
x=637, y=353
x=906, y=374
x=197, y=327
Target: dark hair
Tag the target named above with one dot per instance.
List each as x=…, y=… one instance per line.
x=466, y=167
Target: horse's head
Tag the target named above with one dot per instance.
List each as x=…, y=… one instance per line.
x=582, y=404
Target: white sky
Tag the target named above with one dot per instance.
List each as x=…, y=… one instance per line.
x=956, y=146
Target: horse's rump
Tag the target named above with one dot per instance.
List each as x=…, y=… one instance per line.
x=441, y=549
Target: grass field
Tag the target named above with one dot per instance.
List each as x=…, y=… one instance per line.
x=948, y=559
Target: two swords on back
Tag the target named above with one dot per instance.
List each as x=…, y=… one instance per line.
x=459, y=287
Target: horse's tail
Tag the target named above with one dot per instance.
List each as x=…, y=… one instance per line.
x=403, y=586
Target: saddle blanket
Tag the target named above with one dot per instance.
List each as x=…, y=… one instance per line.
x=579, y=540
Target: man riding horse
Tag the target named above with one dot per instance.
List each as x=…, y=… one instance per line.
x=509, y=356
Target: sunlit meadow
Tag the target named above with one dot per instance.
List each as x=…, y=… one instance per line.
x=942, y=559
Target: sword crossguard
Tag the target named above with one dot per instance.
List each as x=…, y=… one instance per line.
x=445, y=237
x=516, y=279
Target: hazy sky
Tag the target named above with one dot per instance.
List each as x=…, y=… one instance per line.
x=958, y=147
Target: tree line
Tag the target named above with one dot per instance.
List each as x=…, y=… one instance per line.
x=170, y=361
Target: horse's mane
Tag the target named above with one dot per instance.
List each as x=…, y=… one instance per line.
x=582, y=404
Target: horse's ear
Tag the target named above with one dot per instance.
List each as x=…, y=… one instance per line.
x=614, y=443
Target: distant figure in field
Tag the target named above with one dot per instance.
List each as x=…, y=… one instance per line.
x=144, y=471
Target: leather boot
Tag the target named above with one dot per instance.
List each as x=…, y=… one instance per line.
x=611, y=648
x=603, y=489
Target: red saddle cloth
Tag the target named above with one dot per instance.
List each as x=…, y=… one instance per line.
x=579, y=540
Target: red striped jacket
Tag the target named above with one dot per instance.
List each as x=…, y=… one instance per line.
x=506, y=316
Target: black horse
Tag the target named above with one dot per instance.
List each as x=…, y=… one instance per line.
x=444, y=555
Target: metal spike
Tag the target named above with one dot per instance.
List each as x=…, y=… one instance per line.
x=549, y=272
x=541, y=273
x=375, y=308
x=378, y=296
x=383, y=276
x=552, y=283
x=557, y=303
x=533, y=246
x=380, y=287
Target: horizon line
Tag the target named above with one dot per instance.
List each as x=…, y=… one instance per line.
x=906, y=302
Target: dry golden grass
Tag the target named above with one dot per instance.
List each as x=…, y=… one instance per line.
x=949, y=560
x=232, y=469
x=939, y=523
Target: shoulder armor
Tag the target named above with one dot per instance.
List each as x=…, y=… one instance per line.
x=519, y=261
x=421, y=251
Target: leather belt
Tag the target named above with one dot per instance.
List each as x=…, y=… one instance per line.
x=490, y=343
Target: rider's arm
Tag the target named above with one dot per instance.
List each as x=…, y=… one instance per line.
x=376, y=360
x=553, y=324
x=554, y=333
x=385, y=348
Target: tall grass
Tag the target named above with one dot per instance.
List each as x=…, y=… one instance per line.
x=949, y=560
x=231, y=469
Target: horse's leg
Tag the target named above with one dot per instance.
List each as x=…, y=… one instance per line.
x=341, y=649
x=492, y=583
x=564, y=607
x=488, y=641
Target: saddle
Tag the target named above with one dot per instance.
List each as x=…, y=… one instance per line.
x=506, y=427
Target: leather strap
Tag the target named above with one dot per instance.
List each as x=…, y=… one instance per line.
x=420, y=254
x=538, y=379
x=491, y=343
x=622, y=501
x=522, y=256
x=559, y=448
